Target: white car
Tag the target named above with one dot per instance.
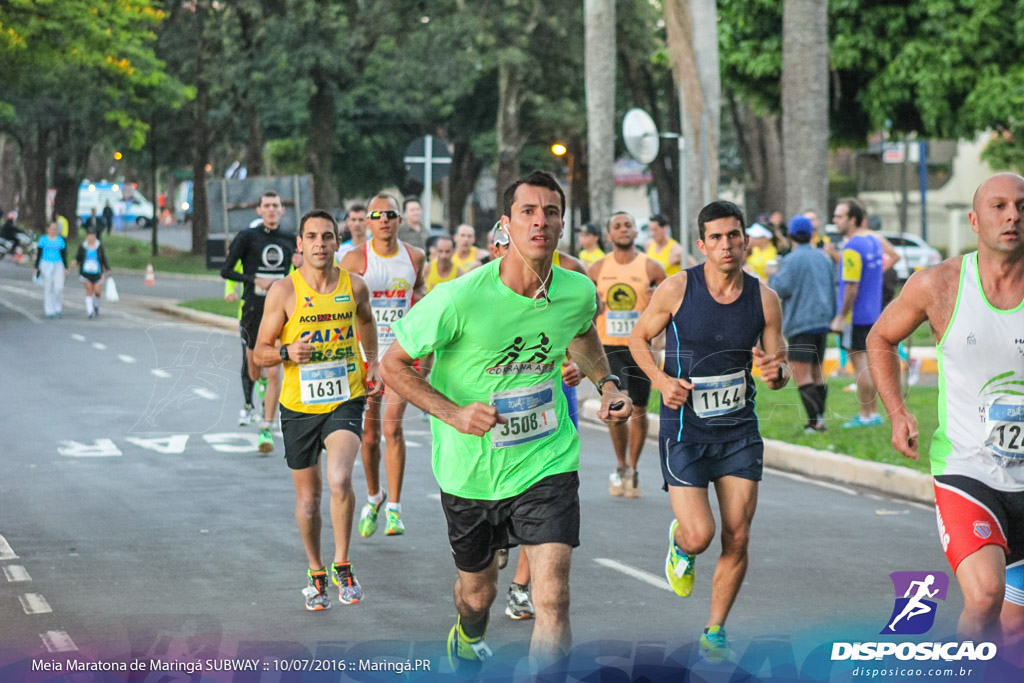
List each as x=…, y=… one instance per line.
x=914, y=252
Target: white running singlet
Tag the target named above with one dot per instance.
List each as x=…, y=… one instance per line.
x=390, y=280
x=981, y=389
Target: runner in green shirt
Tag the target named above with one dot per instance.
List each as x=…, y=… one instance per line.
x=505, y=453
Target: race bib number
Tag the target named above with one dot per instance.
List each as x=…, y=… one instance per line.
x=266, y=276
x=324, y=383
x=719, y=395
x=385, y=313
x=1004, y=424
x=530, y=414
x=620, y=323
x=91, y=266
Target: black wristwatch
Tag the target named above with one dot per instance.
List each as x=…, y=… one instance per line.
x=608, y=378
x=284, y=352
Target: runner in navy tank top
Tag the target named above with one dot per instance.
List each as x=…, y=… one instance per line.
x=714, y=315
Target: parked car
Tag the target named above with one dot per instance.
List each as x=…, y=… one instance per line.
x=914, y=252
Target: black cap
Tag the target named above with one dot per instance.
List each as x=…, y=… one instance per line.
x=590, y=229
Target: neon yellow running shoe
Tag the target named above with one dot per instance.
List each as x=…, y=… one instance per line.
x=368, y=517
x=714, y=646
x=463, y=648
x=678, y=566
x=394, y=525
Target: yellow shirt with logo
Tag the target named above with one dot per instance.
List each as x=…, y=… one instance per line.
x=759, y=258
x=662, y=255
x=589, y=257
x=434, y=275
x=328, y=322
x=625, y=290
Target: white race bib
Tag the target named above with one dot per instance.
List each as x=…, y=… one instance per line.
x=266, y=276
x=530, y=414
x=323, y=382
x=719, y=395
x=386, y=312
x=1004, y=430
x=91, y=266
x=620, y=323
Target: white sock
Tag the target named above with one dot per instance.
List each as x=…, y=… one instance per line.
x=394, y=507
x=377, y=498
x=88, y=305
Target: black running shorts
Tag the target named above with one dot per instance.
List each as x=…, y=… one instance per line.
x=807, y=347
x=306, y=433
x=698, y=464
x=635, y=383
x=547, y=512
x=855, y=337
x=250, y=327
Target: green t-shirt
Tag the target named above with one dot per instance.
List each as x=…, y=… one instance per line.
x=494, y=346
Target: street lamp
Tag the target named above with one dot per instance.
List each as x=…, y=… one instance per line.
x=561, y=150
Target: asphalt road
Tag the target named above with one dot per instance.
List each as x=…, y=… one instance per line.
x=140, y=522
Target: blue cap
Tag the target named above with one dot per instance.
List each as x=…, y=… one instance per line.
x=801, y=225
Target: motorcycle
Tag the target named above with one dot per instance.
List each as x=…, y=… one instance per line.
x=13, y=240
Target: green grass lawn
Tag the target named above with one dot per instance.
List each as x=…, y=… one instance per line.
x=128, y=253
x=218, y=306
x=782, y=417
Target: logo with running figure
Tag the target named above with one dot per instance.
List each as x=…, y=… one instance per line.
x=916, y=595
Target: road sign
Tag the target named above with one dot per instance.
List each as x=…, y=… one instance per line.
x=427, y=160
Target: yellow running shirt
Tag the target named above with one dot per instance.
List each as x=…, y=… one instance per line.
x=661, y=255
x=335, y=371
x=434, y=275
x=466, y=263
x=589, y=257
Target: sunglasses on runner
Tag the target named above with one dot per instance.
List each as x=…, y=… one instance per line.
x=377, y=215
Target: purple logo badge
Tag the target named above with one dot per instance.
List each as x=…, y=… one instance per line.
x=914, y=609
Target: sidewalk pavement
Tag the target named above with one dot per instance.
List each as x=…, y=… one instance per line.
x=898, y=481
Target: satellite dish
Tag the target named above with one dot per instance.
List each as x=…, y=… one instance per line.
x=640, y=135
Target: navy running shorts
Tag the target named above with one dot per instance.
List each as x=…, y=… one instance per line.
x=698, y=464
x=547, y=512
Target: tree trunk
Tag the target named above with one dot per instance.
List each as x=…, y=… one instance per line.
x=805, y=130
x=760, y=150
x=691, y=31
x=248, y=25
x=200, y=200
x=68, y=161
x=599, y=30
x=510, y=141
x=33, y=210
x=462, y=177
x=321, y=141
x=8, y=177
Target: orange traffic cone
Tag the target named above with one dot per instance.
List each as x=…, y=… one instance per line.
x=150, y=276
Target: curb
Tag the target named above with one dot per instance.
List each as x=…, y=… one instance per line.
x=170, y=307
x=844, y=469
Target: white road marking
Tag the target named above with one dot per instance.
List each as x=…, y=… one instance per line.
x=162, y=374
x=202, y=392
x=413, y=444
x=78, y=337
x=58, y=641
x=16, y=573
x=34, y=603
x=6, y=551
x=640, y=574
x=808, y=480
x=126, y=359
x=244, y=442
x=101, y=448
x=99, y=347
x=169, y=445
x=22, y=311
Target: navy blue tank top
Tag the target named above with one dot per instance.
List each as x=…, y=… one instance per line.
x=709, y=344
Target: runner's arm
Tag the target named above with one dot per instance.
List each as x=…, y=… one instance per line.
x=419, y=261
x=897, y=322
x=588, y=354
x=772, y=359
x=266, y=353
x=228, y=271
x=655, y=272
x=653, y=321
x=476, y=418
x=366, y=328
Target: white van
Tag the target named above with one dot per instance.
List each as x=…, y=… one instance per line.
x=125, y=200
